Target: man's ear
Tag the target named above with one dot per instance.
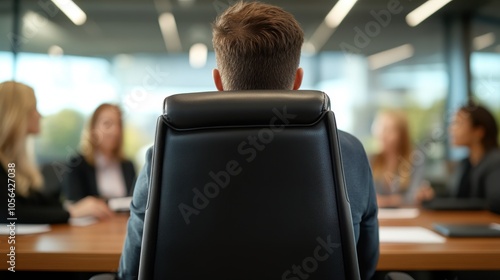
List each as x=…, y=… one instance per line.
x=217, y=80
x=298, y=78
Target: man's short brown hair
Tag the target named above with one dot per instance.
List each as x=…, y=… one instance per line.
x=257, y=46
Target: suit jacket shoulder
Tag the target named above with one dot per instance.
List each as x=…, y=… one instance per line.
x=80, y=179
x=488, y=165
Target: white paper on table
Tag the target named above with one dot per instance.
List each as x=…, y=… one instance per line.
x=120, y=203
x=495, y=226
x=82, y=221
x=398, y=213
x=22, y=229
x=409, y=235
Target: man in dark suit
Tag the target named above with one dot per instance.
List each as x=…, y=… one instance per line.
x=477, y=175
x=258, y=46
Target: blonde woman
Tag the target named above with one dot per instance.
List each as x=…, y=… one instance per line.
x=398, y=169
x=100, y=169
x=20, y=180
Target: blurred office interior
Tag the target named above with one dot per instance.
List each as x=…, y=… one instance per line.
x=137, y=52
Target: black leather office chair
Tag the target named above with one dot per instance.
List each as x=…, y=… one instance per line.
x=247, y=185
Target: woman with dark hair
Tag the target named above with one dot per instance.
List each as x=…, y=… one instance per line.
x=478, y=175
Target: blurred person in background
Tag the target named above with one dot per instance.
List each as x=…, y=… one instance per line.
x=477, y=175
x=398, y=169
x=101, y=169
x=19, y=118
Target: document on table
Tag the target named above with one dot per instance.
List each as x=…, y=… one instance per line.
x=409, y=235
x=23, y=229
x=398, y=213
x=120, y=203
x=83, y=221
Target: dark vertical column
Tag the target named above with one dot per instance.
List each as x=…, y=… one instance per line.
x=457, y=57
x=16, y=35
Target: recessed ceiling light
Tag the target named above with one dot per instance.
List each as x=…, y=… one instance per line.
x=483, y=41
x=71, y=10
x=424, y=11
x=390, y=56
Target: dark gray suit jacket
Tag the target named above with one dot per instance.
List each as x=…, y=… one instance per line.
x=484, y=179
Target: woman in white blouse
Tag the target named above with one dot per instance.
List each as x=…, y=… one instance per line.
x=100, y=169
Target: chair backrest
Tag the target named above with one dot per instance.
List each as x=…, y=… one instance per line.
x=247, y=185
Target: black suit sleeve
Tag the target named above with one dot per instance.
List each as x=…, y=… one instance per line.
x=34, y=209
x=493, y=190
x=75, y=180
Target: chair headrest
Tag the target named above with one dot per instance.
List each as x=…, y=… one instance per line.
x=244, y=108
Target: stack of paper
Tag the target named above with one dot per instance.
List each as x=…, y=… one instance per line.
x=22, y=229
x=83, y=221
x=398, y=213
x=409, y=235
x=120, y=203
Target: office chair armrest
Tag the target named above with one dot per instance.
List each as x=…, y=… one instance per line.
x=104, y=276
x=398, y=276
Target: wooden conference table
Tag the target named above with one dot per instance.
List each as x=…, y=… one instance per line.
x=97, y=247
